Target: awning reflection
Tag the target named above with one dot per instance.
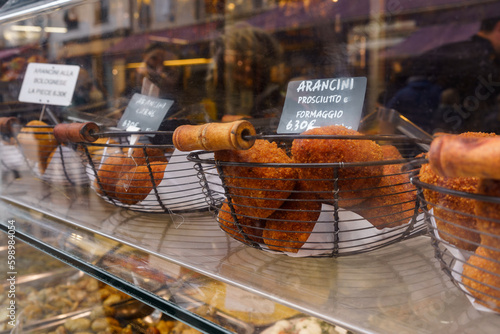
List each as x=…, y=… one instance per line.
x=428, y=38
x=179, y=35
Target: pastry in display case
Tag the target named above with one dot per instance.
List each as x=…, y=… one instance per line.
x=54, y=298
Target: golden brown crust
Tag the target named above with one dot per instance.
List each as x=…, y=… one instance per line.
x=355, y=183
x=251, y=228
x=257, y=191
x=118, y=166
x=390, y=152
x=393, y=204
x=135, y=184
x=481, y=277
x=454, y=215
x=289, y=227
x=490, y=225
x=36, y=146
x=110, y=172
x=96, y=152
x=143, y=155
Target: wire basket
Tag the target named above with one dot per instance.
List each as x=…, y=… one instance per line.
x=141, y=176
x=460, y=195
x=49, y=159
x=313, y=209
x=463, y=221
x=11, y=158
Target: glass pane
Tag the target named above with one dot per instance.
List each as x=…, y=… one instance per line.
x=429, y=67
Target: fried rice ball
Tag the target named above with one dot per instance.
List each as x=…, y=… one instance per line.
x=454, y=215
x=109, y=173
x=488, y=217
x=54, y=152
x=394, y=203
x=251, y=228
x=37, y=143
x=135, y=184
x=289, y=227
x=257, y=191
x=99, y=148
x=390, y=152
x=142, y=155
x=481, y=277
x=355, y=184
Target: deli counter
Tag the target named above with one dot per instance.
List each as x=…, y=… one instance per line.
x=115, y=221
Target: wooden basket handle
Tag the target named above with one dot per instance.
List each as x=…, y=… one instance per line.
x=214, y=136
x=76, y=132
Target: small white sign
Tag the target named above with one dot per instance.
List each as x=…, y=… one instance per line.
x=49, y=84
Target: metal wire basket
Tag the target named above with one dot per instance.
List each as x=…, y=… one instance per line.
x=11, y=159
x=313, y=209
x=464, y=225
x=141, y=176
x=49, y=159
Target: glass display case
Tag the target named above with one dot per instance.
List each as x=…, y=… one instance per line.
x=383, y=68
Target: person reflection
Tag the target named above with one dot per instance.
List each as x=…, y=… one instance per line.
x=420, y=98
x=468, y=74
x=166, y=78
x=245, y=77
x=162, y=81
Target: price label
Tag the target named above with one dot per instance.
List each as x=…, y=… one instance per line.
x=49, y=84
x=315, y=103
x=145, y=112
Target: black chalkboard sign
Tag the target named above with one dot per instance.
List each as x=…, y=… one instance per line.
x=145, y=112
x=321, y=102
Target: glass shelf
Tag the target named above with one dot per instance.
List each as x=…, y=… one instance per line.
x=400, y=288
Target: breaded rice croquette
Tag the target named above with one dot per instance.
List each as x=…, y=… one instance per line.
x=102, y=146
x=37, y=142
x=454, y=215
x=390, y=152
x=251, y=228
x=490, y=226
x=481, y=277
x=355, y=184
x=394, y=202
x=109, y=173
x=135, y=184
x=289, y=227
x=142, y=155
x=257, y=191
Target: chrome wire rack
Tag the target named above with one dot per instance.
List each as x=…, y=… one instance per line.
x=323, y=209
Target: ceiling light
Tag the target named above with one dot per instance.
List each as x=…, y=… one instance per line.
x=57, y=30
x=178, y=62
x=26, y=28
x=60, y=30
